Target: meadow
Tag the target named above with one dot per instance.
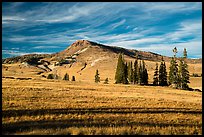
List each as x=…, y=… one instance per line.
x=41, y=106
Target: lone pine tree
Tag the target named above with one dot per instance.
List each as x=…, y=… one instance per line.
x=66, y=77
x=73, y=78
x=50, y=76
x=175, y=51
x=97, y=78
x=106, y=81
x=184, y=53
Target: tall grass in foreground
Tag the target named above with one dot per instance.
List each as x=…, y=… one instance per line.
x=33, y=107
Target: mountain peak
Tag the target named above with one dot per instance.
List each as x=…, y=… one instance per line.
x=81, y=42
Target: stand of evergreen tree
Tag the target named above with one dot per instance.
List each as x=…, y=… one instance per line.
x=179, y=77
x=142, y=74
x=97, y=78
x=126, y=72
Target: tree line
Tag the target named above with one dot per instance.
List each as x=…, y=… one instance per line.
x=66, y=77
x=129, y=73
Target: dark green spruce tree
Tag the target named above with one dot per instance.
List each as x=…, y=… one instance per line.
x=165, y=75
x=73, y=78
x=66, y=77
x=121, y=71
x=130, y=72
x=162, y=74
x=135, y=72
x=144, y=73
x=156, y=76
x=106, y=81
x=125, y=78
x=140, y=75
x=183, y=73
x=184, y=53
x=173, y=71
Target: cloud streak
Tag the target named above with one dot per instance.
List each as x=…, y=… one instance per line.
x=13, y=53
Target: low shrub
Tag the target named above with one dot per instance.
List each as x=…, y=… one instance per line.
x=50, y=76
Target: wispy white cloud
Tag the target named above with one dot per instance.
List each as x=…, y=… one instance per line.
x=185, y=29
x=12, y=18
x=117, y=24
x=43, y=39
x=20, y=53
x=137, y=42
x=173, y=7
x=166, y=49
x=44, y=47
x=66, y=12
x=52, y=13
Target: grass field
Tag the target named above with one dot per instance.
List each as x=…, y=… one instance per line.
x=80, y=108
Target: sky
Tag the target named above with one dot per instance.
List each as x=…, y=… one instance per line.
x=50, y=27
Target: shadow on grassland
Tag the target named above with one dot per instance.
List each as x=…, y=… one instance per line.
x=9, y=128
x=100, y=122
x=34, y=112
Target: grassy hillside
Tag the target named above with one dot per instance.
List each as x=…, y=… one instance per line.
x=106, y=66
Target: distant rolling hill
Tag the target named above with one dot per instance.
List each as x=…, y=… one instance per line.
x=83, y=57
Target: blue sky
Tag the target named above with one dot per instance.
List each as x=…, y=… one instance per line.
x=49, y=27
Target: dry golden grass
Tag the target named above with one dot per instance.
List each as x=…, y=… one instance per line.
x=40, y=106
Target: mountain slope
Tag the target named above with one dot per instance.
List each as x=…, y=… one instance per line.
x=81, y=46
